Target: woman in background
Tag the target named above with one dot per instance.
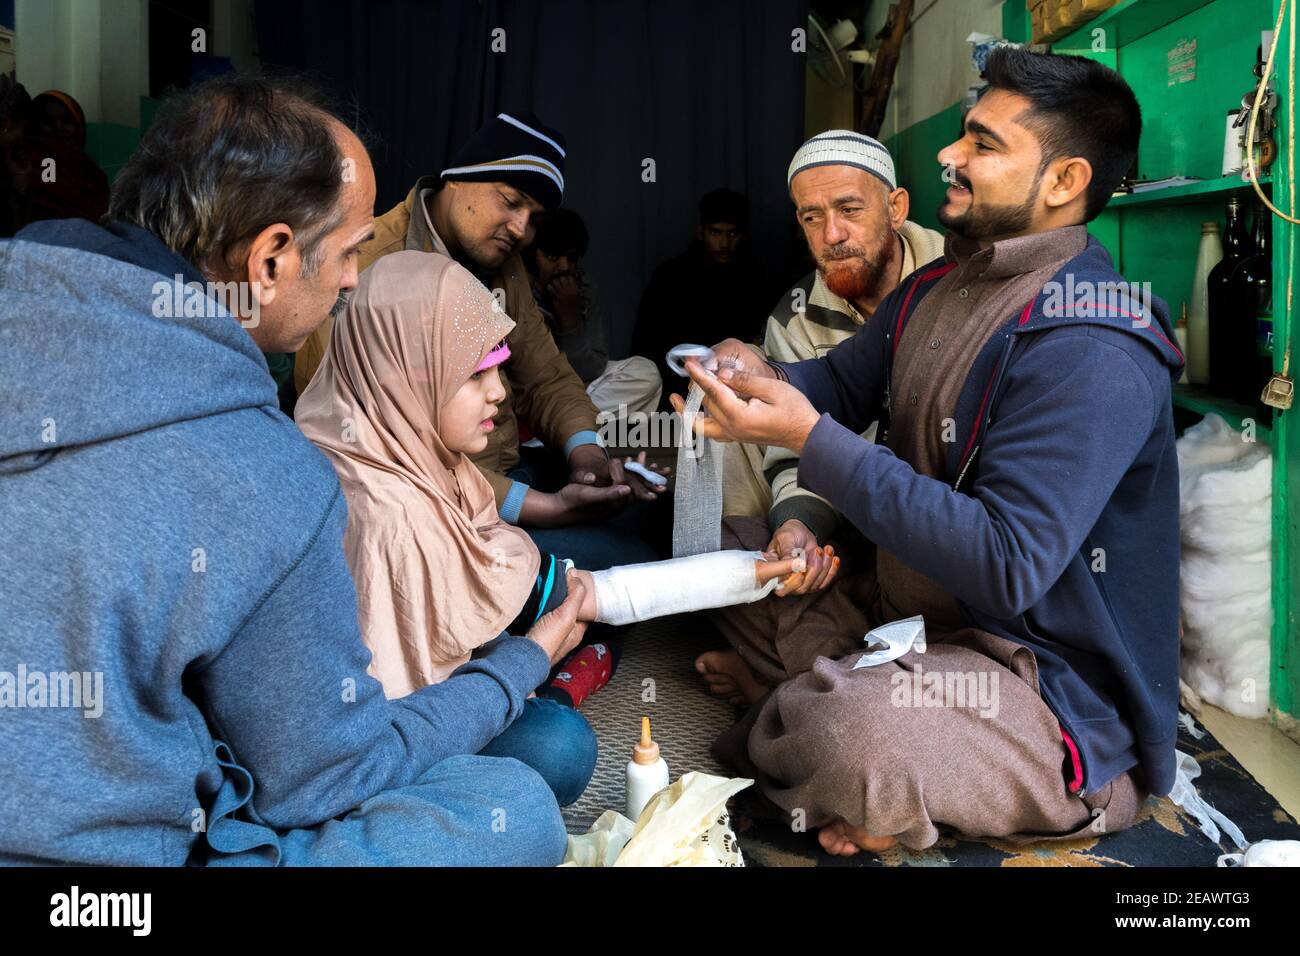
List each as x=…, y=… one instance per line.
x=64, y=183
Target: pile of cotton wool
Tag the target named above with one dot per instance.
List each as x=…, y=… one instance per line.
x=1226, y=527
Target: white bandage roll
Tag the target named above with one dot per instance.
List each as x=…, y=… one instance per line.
x=638, y=592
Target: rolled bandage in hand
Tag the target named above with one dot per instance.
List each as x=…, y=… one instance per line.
x=638, y=592
x=678, y=354
x=653, y=477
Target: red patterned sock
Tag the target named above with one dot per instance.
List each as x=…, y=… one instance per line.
x=585, y=671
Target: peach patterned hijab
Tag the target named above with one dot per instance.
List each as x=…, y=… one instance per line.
x=437, y=571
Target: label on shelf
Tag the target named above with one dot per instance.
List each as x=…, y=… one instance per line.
x=1181, y=60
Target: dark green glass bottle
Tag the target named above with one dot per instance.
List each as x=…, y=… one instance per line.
x=1253, y=283
x=1227, y=333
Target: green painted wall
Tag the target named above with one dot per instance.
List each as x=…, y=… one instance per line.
x=111, y=144
x=915, y=151
x=1182, y=133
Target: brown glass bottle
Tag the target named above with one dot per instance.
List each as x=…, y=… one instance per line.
x=1229, y=336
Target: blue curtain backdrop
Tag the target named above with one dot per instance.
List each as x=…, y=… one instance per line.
x=712, y=92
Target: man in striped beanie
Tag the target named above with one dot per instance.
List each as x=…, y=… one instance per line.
x=482, y=210
x=502, y=181
x=516, y=149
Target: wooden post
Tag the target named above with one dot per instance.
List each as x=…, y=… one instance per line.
x=882, y=77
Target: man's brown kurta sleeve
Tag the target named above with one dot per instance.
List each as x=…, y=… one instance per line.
x=547, y=393
x=499, y=482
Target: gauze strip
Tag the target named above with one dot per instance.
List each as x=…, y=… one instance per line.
x=897, y=638
x=697, y=499
x=678, y=354
x=1209, y=819
x=638, y=592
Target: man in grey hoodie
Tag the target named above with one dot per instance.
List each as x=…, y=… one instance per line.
x=182, y=679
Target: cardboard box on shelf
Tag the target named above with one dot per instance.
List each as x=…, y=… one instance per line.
x=1060, y=20
x=1050, y=20
x=1038, y=22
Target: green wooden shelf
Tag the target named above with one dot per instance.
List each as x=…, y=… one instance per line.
x=1206, y=189
x=1197, y=399
x=1127, y=21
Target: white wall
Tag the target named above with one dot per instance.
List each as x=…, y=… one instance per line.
x=826, y=106
x=6, y=50
x=98, y=50
x=94, y=50
x=934, y=67
x=124, y=60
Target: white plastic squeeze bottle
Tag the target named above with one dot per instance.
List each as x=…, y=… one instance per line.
x=647, y=773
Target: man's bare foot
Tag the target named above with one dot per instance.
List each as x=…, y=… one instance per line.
x=729, y=677
x=843, y=839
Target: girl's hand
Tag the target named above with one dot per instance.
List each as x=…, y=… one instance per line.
x=771, y=567
x=821, y=565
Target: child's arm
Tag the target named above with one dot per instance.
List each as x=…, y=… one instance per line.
x=765, y=570
x=588, y=610
x=639, y=592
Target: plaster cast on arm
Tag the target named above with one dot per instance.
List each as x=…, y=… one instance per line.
x=638, y=592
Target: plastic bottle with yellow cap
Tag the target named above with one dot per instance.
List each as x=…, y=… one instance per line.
x=647, y=773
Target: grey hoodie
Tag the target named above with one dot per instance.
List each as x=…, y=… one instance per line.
x=168, y=535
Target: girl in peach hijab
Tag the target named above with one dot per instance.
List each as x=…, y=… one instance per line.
x=437, y=572
x=408, y=389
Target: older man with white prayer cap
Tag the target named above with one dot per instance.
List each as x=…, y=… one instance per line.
x=854, y=217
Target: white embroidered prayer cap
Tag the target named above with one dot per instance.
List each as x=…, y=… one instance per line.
x=843, y=147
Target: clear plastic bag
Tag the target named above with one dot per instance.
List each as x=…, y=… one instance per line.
x=1265, y=853
x=685, y=824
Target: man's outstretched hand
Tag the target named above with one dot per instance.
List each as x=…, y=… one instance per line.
x=573, y=504
x=590, y=465
x=771, y=412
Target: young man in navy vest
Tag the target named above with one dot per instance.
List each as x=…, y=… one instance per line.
x=1022, y=497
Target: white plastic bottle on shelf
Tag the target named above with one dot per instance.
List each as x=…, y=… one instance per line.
x=647, y=773
x=1198, y=312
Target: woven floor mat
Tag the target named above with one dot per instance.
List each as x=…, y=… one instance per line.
x=655, y=679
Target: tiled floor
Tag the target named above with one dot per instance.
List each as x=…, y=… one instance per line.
x=1269, y=755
